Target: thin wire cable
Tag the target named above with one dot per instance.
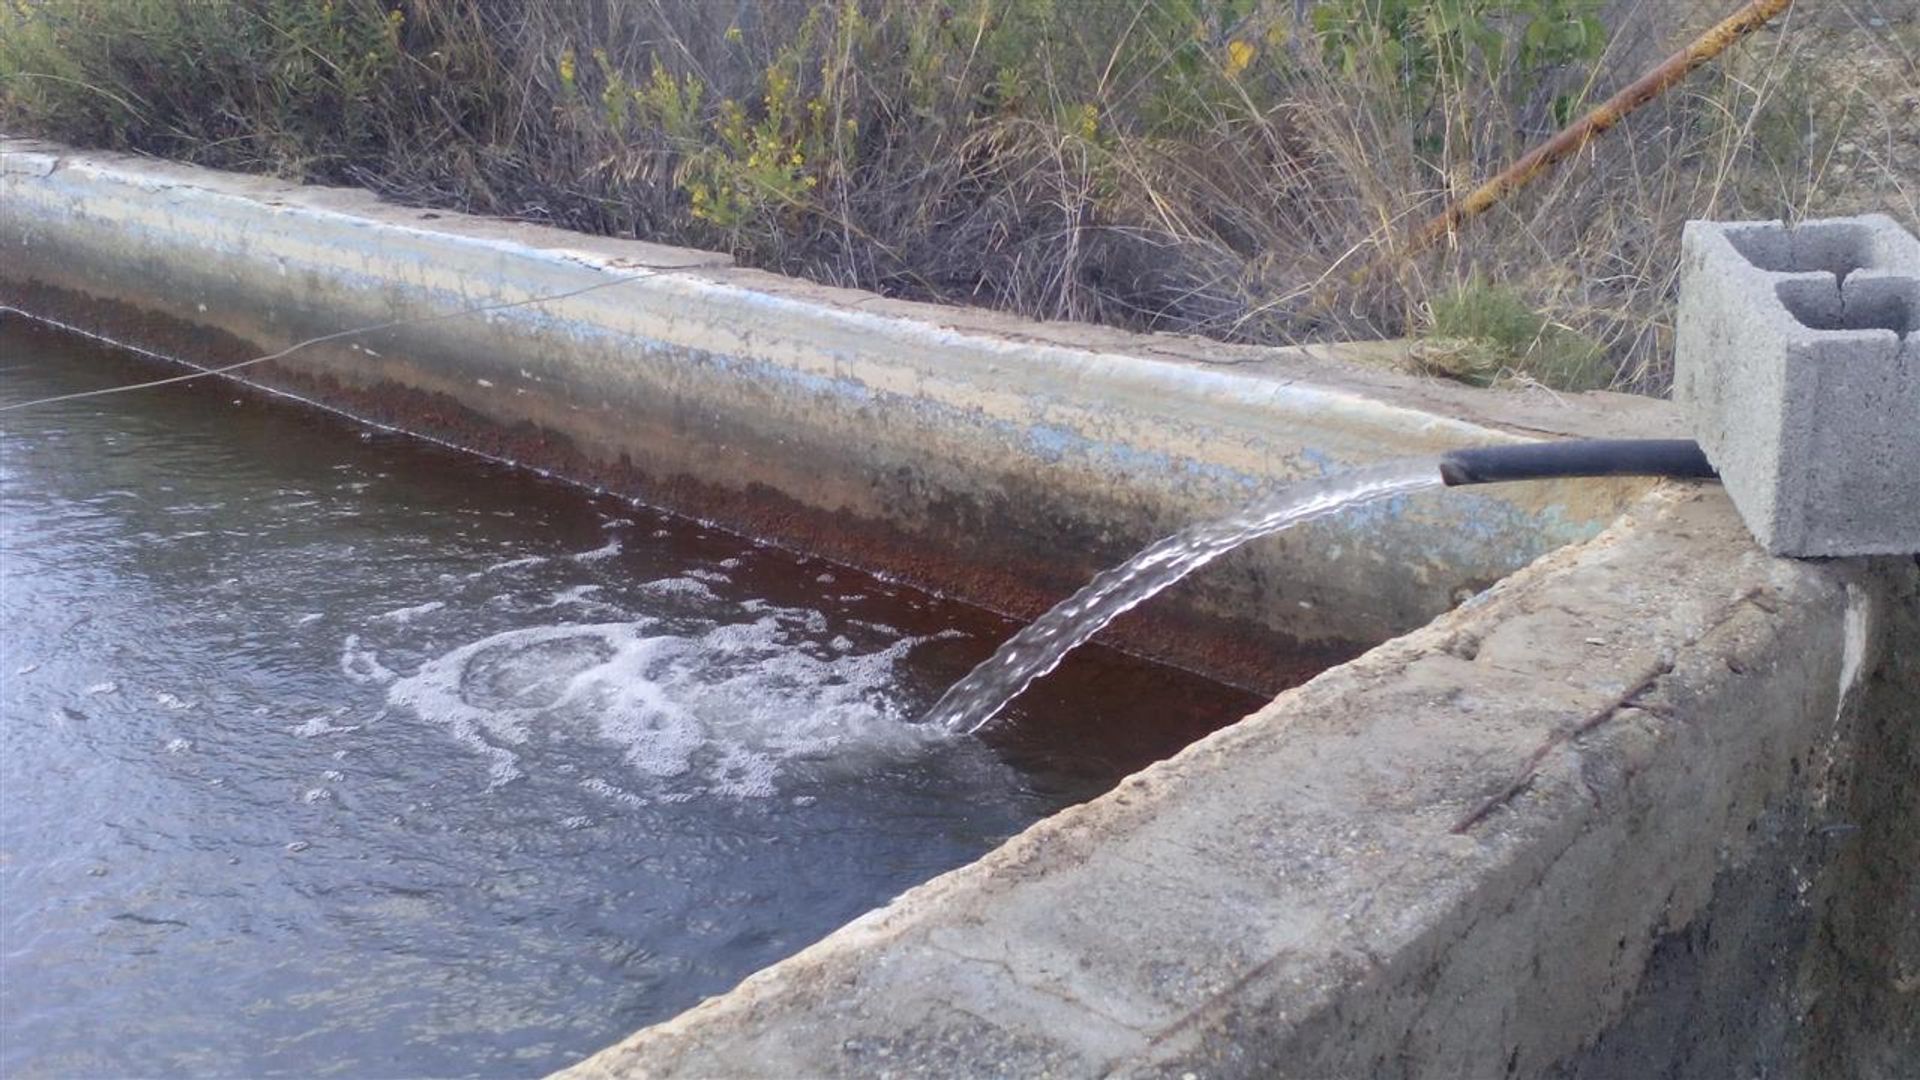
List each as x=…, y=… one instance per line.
x=337, y=335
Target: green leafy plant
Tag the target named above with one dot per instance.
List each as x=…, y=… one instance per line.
x=1425, y=48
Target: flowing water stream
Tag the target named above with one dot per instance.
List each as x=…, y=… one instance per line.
x=972, y=703
x=324, y=750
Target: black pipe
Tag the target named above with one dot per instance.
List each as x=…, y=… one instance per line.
x=1680, y=458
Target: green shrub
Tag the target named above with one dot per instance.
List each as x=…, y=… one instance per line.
x=1491, y=330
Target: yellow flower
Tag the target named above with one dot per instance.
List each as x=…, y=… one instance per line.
x=1239, y=55
x=1089, y=121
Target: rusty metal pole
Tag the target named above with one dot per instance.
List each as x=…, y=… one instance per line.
x=1572, y=138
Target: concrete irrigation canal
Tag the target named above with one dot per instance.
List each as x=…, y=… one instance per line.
x=330, y=745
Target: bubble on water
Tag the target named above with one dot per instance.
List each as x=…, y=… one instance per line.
x=725, y=711
x=178, y=746
x=316, y=795
x=107, y=687
x=170, y=701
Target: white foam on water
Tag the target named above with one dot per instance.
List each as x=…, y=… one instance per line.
x=511, y=564
x=605, y=551
x=576, y=594
x=314, y=727
x=362, y=665
x=722, y=712
x=680, y=586
x=608, y=790
x=408, y=614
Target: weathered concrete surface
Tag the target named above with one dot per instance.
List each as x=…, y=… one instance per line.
x=1472, y=852
x=1797, y=358
x=991, y=458
x=1806, y=962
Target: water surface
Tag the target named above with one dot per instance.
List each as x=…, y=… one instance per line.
x=327, y=751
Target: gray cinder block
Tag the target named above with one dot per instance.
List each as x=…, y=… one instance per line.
x=1797, y=358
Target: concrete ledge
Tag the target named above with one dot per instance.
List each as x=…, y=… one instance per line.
x=1459, y=855
x=991, y=458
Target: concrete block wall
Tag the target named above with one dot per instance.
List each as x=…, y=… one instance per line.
x=1798, y=360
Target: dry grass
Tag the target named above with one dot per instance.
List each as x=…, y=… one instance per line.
x=1209, y=166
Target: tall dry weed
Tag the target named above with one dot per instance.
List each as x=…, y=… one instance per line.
x=1220, y=167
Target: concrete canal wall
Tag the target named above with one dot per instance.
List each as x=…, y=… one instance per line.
x=1646, y=806
x=991, y=458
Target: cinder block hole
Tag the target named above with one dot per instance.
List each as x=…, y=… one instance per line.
x=1837, y=248
x=1874, y=304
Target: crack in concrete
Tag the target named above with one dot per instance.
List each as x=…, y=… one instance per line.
x=1624, y=701
x=1058, y=993
x=1523, y=778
